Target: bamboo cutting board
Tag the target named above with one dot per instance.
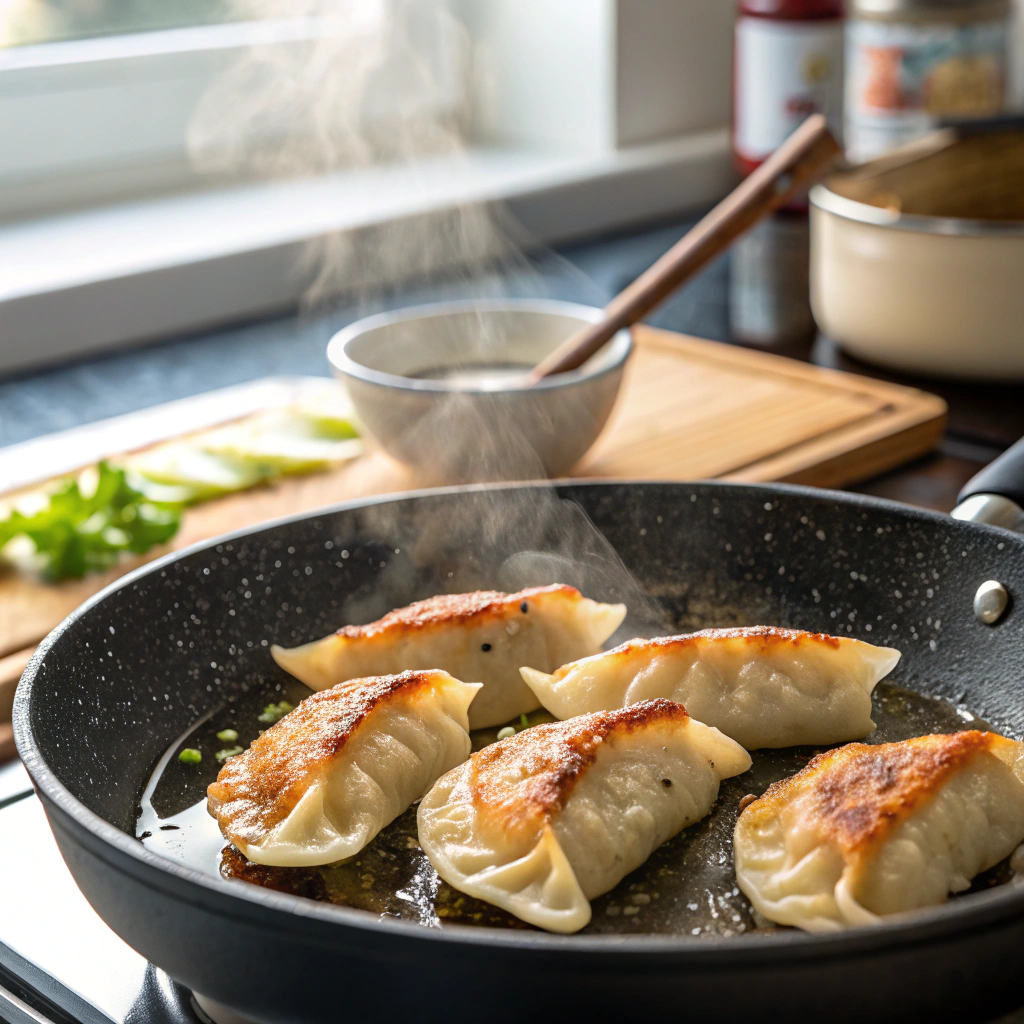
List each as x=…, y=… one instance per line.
x=695, y=409
x=689, y=409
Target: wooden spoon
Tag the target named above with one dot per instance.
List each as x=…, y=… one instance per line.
x=803, y=158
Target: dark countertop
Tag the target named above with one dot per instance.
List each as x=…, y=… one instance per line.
x=762, y=284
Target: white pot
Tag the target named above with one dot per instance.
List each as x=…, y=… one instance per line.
x=931, y=295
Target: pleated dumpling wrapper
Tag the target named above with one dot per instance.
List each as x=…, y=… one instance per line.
x=541, y=823
x=866, y=831
x=321, y=783
x=761, y=685
x=484, y=637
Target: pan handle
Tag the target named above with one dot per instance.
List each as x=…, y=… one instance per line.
x=996, y=494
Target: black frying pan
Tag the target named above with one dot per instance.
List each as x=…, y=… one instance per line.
x=116, y=684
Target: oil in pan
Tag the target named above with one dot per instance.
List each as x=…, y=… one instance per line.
x=686, y=888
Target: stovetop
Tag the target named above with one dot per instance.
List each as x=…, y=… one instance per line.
x=59, y=963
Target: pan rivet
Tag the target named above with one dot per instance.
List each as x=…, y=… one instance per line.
x=990, y=602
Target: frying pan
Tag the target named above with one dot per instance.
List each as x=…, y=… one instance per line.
x=115, y=685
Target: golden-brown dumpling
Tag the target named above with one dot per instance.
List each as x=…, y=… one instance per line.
x=321, y=783
x=541, y=823
x=484, y=637
x=865, y=831
x=761, y=685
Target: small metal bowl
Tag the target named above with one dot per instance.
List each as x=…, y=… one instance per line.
x=415, y=378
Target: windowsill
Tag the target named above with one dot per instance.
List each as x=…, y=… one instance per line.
x=90, y=280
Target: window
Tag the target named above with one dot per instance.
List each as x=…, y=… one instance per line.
x=30, y=22
x=143, y=136
x=110, y=117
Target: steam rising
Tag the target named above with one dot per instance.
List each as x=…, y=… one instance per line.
x=358, y=86
x=502, y=539
x=368, y=85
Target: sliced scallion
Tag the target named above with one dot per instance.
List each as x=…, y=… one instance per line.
x=275, y=712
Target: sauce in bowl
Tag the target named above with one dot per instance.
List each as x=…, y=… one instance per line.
x=480, y=376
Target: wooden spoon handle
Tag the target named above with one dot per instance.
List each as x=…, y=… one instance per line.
x=795, y=165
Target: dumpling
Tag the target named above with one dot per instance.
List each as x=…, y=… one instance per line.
x=541, y=823
x=763, y=686
x=484, y=636
x=321, y=783
x=866, y=831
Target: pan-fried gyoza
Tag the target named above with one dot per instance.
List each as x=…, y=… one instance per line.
x=321, y=783
x=483, y=637
x=763, y=686
x=867, y=831
x=544, y=821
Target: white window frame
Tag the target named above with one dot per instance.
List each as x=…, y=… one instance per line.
x=122, y=106
x=587, y=115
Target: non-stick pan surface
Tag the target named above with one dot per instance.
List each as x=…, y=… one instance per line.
x=112, y=688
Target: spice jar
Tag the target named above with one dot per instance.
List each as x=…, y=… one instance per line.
x=769, y=284
x=912, y=63
x=788, y=64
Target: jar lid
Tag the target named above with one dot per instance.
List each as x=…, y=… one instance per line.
x=919, y=8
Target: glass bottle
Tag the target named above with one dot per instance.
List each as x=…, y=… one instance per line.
x=787, y=65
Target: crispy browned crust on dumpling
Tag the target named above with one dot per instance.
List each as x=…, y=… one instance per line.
x=258, y=789
x=763, y=639
x=520, y=782
x=449, y=609
x=858, y=794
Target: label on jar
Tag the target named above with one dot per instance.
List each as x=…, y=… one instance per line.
x=785, y=71
x=902, y=78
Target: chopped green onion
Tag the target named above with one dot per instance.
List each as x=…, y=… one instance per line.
x=223, y=755
x=227, y=736
x=503, y=734
x=524, y=722
x=81, y=529
x=190, y=756
x=275, y=712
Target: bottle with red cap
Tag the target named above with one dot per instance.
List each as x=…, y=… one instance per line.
x=788, y=65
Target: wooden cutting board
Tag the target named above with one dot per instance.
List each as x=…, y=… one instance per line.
x=689, y=409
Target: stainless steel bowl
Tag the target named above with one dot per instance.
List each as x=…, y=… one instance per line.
x=422, y=381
